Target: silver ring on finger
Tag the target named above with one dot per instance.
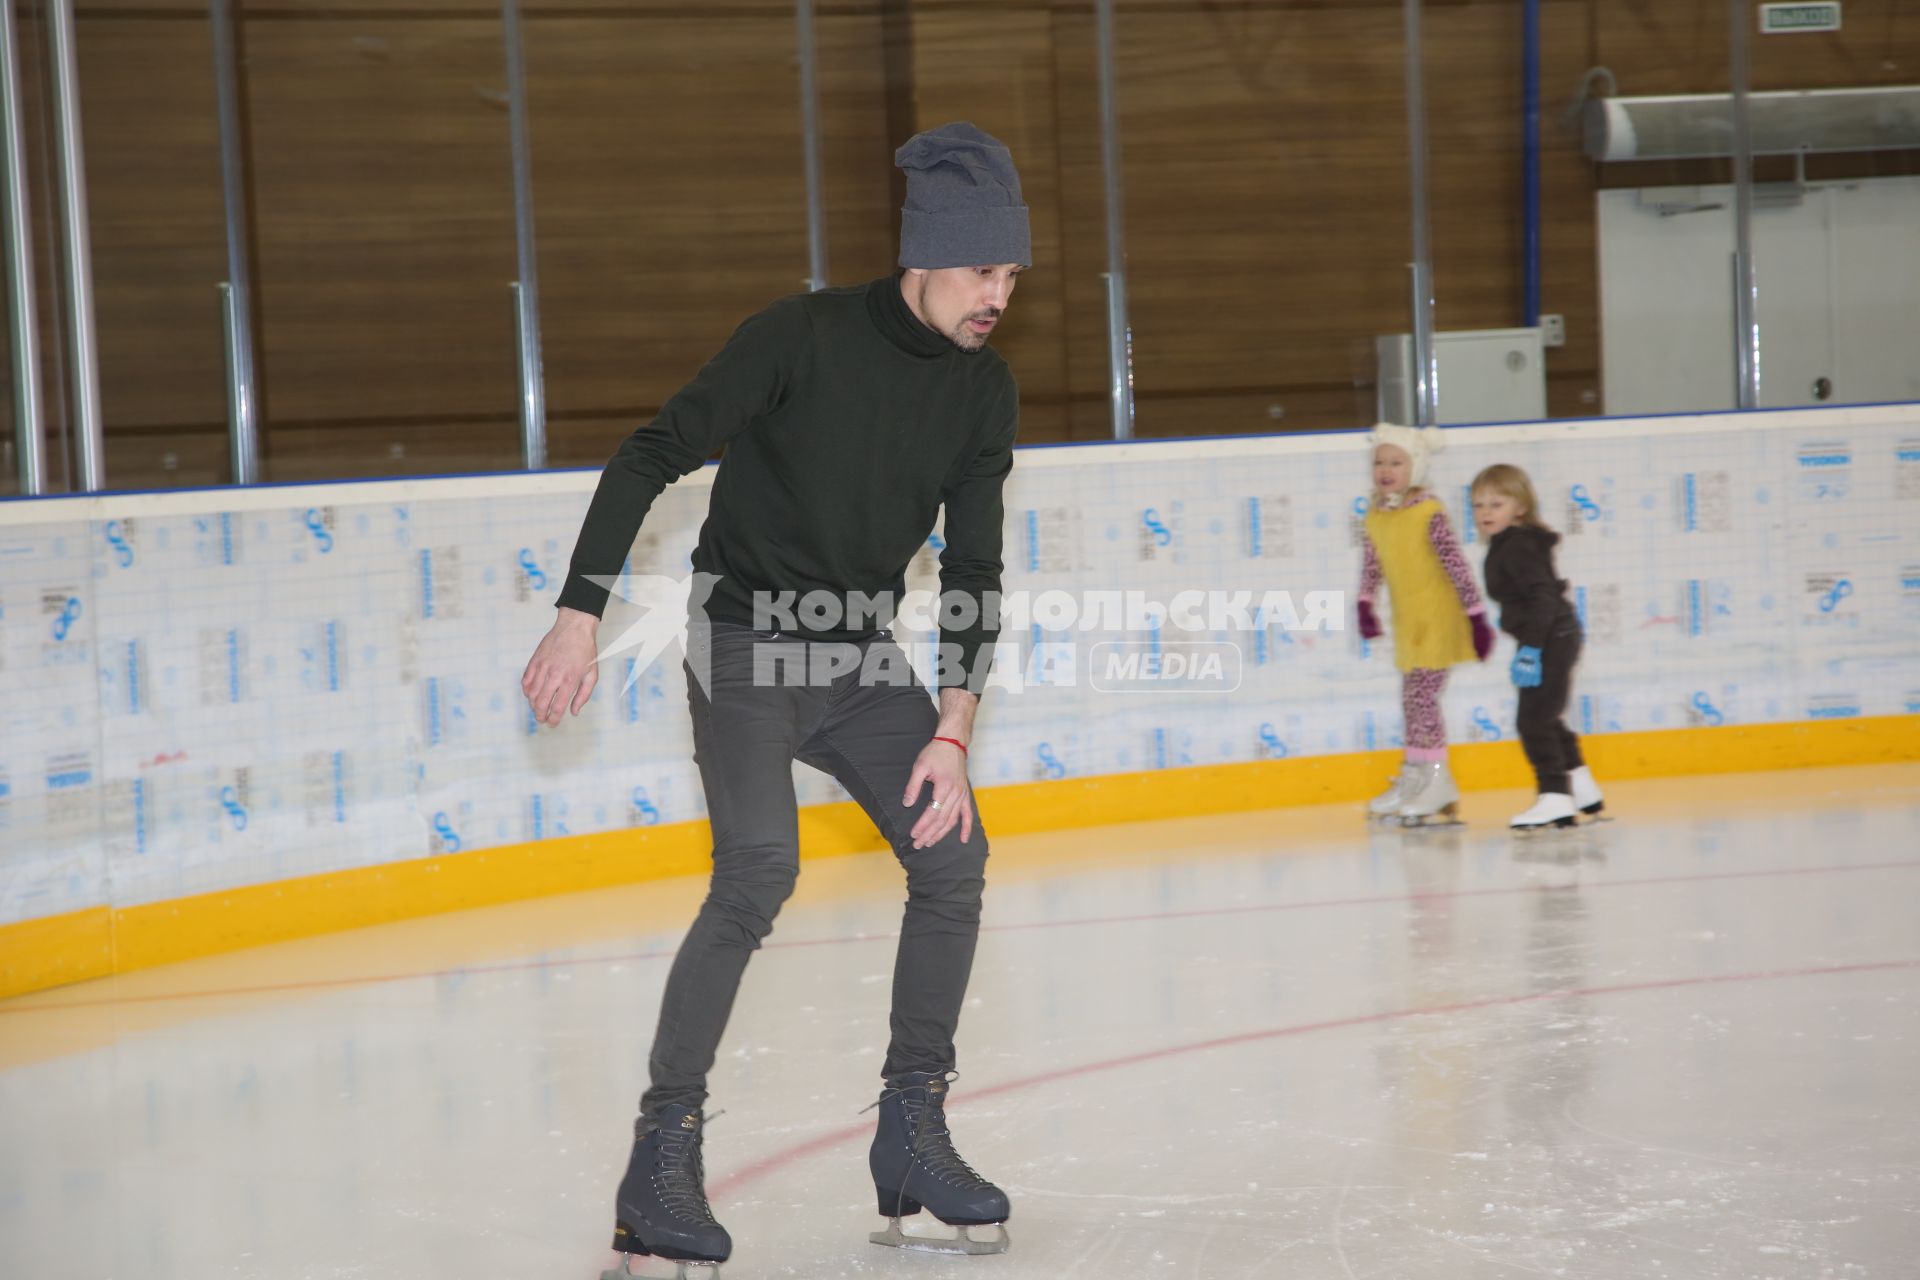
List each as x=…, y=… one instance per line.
x=934, y=805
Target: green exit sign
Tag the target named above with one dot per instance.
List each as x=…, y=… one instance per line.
x=1791, y=19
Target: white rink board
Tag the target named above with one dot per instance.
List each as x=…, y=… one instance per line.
x=207, y=689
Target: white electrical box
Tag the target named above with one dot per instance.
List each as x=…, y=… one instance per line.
x=1486, y=375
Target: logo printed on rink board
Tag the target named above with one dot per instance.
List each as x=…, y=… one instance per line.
x=641, y=691
x=121, y=538
x=1170, y=748
x=1833, y=706
x=1588, y=507
x=1706, y=502
x=70, y=791
x=1600, y=612
x=441, y=598
x=644, y=812
x=217, y=539
x=1704, y=712
x=1055, y=542
x=1824, y=470
x=1375, y=734
x=124, y=680
x=1906, y=470
x=233, y=799
x=323, y=657
x=318, y=522
x=1051, y=663
x=1047, y=763
x=325, y=778
x=546, y=816
x=444, y=836
x=130, y=807
x=528, y=577
x=443, y=711
x=64, y=608
x=1830, y=595
x=224, y=678
x=1269, y=528
x=1705, y=604
x=1159, y=533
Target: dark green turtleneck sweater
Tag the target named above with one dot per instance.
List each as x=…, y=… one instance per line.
x=847, y=424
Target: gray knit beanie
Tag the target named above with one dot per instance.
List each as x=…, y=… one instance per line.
x=963, y=204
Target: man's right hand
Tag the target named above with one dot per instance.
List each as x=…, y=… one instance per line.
x=564, y=668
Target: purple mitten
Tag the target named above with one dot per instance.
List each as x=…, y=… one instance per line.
x=1369, y=624
x=1482, y=635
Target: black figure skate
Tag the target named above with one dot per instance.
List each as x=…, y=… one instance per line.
x=661, y=1208
x=915, y=1167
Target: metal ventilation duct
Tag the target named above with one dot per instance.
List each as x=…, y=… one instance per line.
x=1700, y=126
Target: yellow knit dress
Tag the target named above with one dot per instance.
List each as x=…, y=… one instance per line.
x=1430, y=627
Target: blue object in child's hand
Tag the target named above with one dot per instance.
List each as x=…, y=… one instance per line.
x=1526, y=668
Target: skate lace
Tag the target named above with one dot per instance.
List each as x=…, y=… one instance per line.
x=680, y=1175
x=932, y=1142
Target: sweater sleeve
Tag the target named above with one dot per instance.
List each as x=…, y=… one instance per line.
x=1454, y=561
x=748, y=378
x=970, y=565
x=1370, y=572
x=1529, y=594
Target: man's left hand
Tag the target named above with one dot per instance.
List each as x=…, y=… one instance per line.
x=943, y=766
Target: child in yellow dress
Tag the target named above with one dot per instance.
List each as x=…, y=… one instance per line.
x=1438, y=617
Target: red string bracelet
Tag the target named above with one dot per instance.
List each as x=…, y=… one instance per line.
x=956, y=742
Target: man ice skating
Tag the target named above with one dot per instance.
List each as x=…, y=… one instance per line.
x=850, y=417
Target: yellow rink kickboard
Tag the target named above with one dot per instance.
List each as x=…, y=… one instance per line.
x=101, y=941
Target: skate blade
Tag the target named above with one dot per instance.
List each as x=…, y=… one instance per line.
x=701, y=1271
x=964, y=1243
x=1447, y=817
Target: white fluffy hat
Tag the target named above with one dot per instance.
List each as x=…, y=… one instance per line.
x=1418, y=443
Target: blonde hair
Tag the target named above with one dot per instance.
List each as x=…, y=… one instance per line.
x=1511, y=482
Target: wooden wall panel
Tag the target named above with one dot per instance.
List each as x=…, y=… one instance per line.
x=1265, y=248
x=670, y=194
x=1227, y=412
x=1475, y=181
x=532, y=9
x=1264, y=168
x=384, y=219
x=863, y=225
x=157, y=222
x=168, y=458
x=369, y=450
x=995, y=68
